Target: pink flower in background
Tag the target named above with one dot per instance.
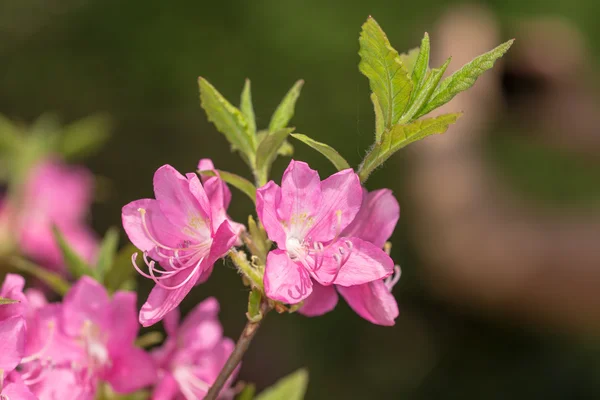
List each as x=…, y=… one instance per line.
x=61, y=195
x=193, y=354
x=179, y=230
x=306, y=217
x=373, y=301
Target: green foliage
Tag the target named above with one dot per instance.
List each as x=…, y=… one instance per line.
x=74, y=263
x=259, y=244
x=121, y=275
x=83, y=137
x=247, y=393
x=267, y=152
x=4, y=301
x=254, y=313
x=247, y=108
x=409, y=58
x=106, y=254
x=234, y=180
x=328, y=151
x=401, y=136
x=291, y=387
x=285, y=111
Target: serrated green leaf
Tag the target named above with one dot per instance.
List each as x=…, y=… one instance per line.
x=228, y=120
x=388, y=78
x=425, y=92
x=421, y=66
x=464, y=78
x=409, y=58
x=247, y=393
x=401, y=136
x=267, y=152
x=121, y=276
x=328, y=151
x=106, y=254
x=4, y=301
x=247, y=109
x=53, y=280
x=74, y=263
x=285, y=111
x=83, y=137
x=254, y=299
x=234, y=180
x=291, y=387
x=379, y=121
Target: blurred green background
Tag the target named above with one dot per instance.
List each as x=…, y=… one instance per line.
x=138, y=62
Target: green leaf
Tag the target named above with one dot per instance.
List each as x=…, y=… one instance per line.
x=53, y=280
x=234, y=180
x=267, y=152
x=149, y=339
x=247, y=108
x=83, y=137
x=10, y=138
x=259, y=244
x=106, y=254
x=328, y=151
x=4, y=301
x=425, y=91
x=292, y=387
x=388, y=78
x=228, y=120
x=247, y=393
x=409, y=58
x=286, y=149
x=464, y=78
x=254, y=299
x=74, y=263
x=421, y=66
x=379, y=121
x=285, y=111
x=399, y=137
x=121, y=275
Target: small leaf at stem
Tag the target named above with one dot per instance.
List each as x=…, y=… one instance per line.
x=267, y=152
x=291, y=387
x=106, y=254
x=254, y=313
x=53, y=280
x=74, y=263
x=234, y=180
x=399, y=137
x=464, y=78
x=328, y=151
x=421, y=66
x=258, y=243
x=388, y=77
x=4, y=301
x=228, y=120
x=247, y=109
x=285, y=111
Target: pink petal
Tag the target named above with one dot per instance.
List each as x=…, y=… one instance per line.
x=182, y=199
x=132, y=369
x=223, y=241
x=171, y=322
x=166, y=388
x=206, y=164
x=322, y=300
x=372, y=301
x=162, y=301
x=17, y=391
x=160, y=229
x=300, y=196
x=268, y=201
x=341, y=201
x=123, y=320
x=12, y=344
x=376, y=219
x=12, y=288
x=63, y=383
x=361, y=262
x=87, y=300
x=285, y=280
x=201, y=329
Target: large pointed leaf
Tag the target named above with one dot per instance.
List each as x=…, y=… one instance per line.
x=106, y=254
x=328, y=151
x=291, y=387
x=419, y=71
x=399, y=137
x=285, y=111
x=74, y=263
x=464, y=78
x=388, y=78
x=247, y=109
x=267, y=152
x=234, y=180
x=228, y=120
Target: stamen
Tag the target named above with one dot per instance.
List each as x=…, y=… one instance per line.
x=393, y=279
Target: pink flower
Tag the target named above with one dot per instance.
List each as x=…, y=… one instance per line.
x=373, y=301
x=61, y=195
x=180, y=230
x=87, y=339
x=307, y=217
x=193, y=354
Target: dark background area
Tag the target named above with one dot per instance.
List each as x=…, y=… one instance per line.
x=138, y=62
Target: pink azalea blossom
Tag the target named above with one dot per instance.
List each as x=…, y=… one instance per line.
x=193, y=354
x=87, y=338
x=180, y=230
x=373, y=301
x=307, y=219
x=61, y=195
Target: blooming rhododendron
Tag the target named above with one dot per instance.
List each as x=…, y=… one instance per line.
x=373, y=301
x=178, y=230
x=307, y=217
x=193, y=354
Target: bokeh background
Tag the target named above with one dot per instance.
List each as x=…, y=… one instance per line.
x=499, y=237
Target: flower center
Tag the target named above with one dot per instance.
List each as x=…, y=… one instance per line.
x=295, y=248
x=95, y=346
